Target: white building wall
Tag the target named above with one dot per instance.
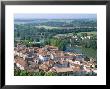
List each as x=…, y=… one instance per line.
x=20, y=66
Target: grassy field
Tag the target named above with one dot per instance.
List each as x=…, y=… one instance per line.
x=47, y=27
x=89, y=52
x=88, y=33
x=52, y=27
x=86, y=51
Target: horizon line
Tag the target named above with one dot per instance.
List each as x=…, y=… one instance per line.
x=54, y=16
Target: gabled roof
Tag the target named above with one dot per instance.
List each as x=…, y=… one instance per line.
x=63, y=69
x=21, y=62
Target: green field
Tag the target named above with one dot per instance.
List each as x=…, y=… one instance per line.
x=52, y=27
x=88, y=33
x=89, y=52
x=47, y=27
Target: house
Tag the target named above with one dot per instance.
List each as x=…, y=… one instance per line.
x=36, y=60
x=95, y=71
x=66, y=57
x=76, y=69
x=31, y=50
x=50, y=63
x=21, y=54
x=52, y=69
x=82, y=38
x=21, y=64
x=77, y=62
x=87, y=69
x=29, y=56
x=51, y=56
x=62, y=64
x=53, y=48
x=33, y=65
x=21, y=46
x=79, y=58
x=25, y=56
x=44, y=67
x=88, y=37
x=44, y=57
x=16, y=53
x=62, y=70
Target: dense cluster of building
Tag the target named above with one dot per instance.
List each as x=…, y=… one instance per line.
x=51, y=59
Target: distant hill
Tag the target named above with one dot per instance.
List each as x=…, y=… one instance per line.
x=28, y=28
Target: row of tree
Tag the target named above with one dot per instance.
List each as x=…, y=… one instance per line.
x=61, y=44
x=42, y=73
x=28, y=31
x=26, y=73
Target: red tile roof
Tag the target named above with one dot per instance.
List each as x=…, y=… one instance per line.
x=21, y=62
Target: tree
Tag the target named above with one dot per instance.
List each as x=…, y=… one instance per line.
x=50, y=74
x=86, y=59
x=74, y=34
x=84, y=34
x=62, y=46
x=20, y=72
x=93, y=42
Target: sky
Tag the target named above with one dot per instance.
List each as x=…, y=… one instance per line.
x=54, y=16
